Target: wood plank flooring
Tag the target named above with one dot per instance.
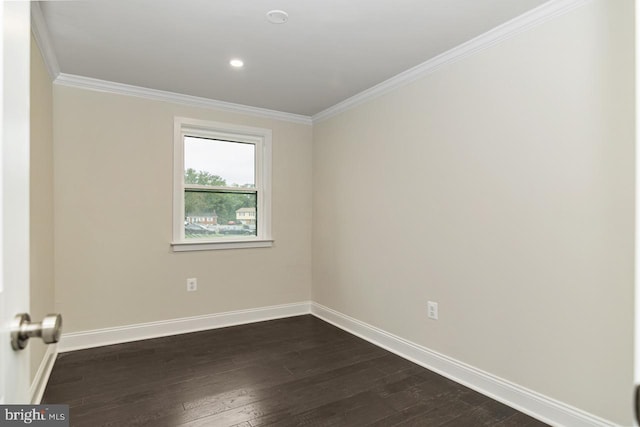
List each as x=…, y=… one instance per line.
x=298, y=371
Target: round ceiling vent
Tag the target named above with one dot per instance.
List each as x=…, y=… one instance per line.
x=277, y=16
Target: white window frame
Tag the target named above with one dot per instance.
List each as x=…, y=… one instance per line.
x=261, y=138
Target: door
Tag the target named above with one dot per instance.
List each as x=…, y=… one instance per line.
x=14, y=193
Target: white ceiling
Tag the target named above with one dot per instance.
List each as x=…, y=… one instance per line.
x=328, y=51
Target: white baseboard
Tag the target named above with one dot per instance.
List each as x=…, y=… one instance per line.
x=544, y=408
x=39, y=383
x=534, y=404
x=100, y=337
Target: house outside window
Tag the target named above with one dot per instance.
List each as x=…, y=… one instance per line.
x=246, y=216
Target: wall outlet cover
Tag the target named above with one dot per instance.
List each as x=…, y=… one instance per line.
x=432, y=310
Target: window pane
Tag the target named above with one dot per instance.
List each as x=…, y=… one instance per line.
x=213, y=215
x=221, y=163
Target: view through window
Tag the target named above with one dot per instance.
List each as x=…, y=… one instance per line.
x=220, y=198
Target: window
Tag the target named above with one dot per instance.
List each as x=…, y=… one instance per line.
x=222, y=186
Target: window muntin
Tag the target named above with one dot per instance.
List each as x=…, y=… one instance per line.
x=221, y=185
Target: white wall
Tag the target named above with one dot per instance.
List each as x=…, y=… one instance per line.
x=500, y=186
x=113, y=222
x=41, y=200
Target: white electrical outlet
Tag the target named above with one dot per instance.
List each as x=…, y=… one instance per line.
x=432, y=310
x=192, y=284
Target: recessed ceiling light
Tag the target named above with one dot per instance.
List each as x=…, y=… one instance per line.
x=236, y=63
x=277, y=16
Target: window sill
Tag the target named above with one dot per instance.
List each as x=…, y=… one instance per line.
x=212, y=246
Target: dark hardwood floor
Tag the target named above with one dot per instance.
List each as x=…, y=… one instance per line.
x=298, y=371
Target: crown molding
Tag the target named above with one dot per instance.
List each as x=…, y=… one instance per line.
x=509, y=29
x=43, y=40
x=71, y=80
x=522, y=23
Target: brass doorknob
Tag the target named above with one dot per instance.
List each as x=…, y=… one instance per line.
x=22, y=329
